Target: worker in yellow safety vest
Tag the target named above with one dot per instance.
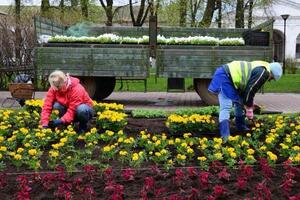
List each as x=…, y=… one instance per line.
x=236, y=84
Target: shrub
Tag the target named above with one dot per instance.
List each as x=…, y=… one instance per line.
x=144, y=113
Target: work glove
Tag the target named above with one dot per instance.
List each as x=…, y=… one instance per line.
x=55, y=123
x=249, y=113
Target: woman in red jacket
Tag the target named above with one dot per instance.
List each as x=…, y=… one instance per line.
x=70, y=98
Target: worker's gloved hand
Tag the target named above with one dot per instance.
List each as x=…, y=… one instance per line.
x=55, y=123
x=249, y=112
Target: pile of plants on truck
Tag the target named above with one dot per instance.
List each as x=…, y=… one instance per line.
x=116, y=39
x=109, y=162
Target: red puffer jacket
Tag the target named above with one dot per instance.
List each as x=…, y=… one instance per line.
x=71, y=98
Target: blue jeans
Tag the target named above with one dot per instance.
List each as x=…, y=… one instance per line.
x=83, y=112
x=226, y=105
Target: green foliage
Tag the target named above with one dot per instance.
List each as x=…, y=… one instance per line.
x=210, y=110
x=291, y=65
x=147, y=113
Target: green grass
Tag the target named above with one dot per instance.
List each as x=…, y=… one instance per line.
x=153, y=85
x=289, y=83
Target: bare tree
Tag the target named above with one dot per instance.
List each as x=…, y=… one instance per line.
x=84, y=8
x=194, y=7
x=109, y=11
x=182, y=12
x=219, y=7
x=208, y=13
x=45, y=6
x=142, y=13
x=239, y=14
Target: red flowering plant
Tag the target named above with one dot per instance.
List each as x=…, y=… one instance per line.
x=24, y=192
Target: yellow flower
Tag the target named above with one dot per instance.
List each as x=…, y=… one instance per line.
x=1, y=156
x=263, y=148
x=233, y=155
x=230, y=150
x=20, y=150
x=183, y=157
x=296, y=148
x=106, y=148
x=184, y=144
x=3, y=148
x=284, y=146
x=154, y=138
x=54, y=153
x=120, y=140
x=158, y=142
x=109, y=133
x=158, y=154
x=63, y=140
x=250, y=151
x=187, y=135
x=250, y=157
x=135, y=156
x=272, y=156
x=17, y=157
x=177, y=140
x=27, y=145
x=219, y=156
x=190, y=150
x=1, y=138
x=202, y=158
x=170, y=142
x=248, y=134
x=170, y=162
x=244, y=143
x=123, y=153
x=32, y=152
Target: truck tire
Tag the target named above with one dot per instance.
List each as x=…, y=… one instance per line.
x=105, y=86
x=201, y=85
x=89, y=84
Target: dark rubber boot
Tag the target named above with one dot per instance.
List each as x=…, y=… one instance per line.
x=240, y=124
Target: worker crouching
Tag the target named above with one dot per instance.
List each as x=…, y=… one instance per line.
x=236, y=84
x=70, y=98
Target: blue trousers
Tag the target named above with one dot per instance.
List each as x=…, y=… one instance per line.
x=83, y=112
x=226, y=105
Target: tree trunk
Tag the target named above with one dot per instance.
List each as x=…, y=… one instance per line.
x=18, y=31
x=182, y=12
x=219, y=7
x=142, y=14
x=84, y=8
x=108, y=11
x=194, y=7
x=208, y=14
x=45, y=5
x=250, y=14
x=62, y=9
x=239, y=14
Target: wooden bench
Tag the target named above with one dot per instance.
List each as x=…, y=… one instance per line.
x=126, y=80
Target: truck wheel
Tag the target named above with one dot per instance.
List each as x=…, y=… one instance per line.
x=201, y=85
x=105, y=86
x=89, y=84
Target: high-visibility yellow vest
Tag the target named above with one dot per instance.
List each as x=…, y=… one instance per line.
x=240, y=71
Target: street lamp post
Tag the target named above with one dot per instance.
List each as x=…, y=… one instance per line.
x=284, y=17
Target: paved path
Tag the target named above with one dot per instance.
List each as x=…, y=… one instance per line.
x=282, y=102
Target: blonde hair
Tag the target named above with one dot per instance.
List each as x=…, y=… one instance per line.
x=57, y=79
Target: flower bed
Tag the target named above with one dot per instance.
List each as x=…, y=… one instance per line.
x=185, y=163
